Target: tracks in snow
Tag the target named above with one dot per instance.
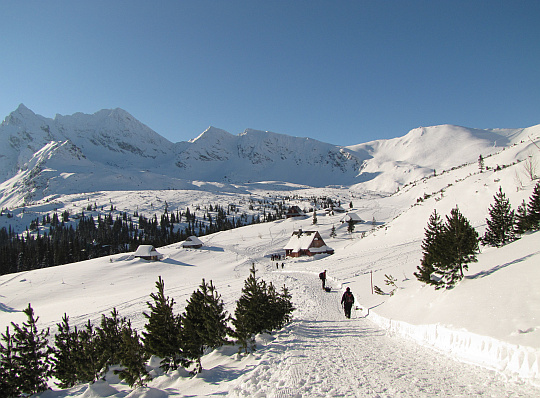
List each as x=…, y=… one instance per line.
x=323, y=354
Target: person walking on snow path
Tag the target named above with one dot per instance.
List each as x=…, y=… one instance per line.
x=322, y=275
x=347, y=301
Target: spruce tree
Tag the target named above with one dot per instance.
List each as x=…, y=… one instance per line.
x=132, y=358
x=89, y=362
x=500, y=224
x=9, y=373
x=431, y=247
x=204, y=323
x=523, y=222
x=249, y=315
x=280, y=307
x=109, y=339
x=350, y=225
x=31, y=354
x=460, y=242
x=66, y=355
x=533, y=208
x=163, y=329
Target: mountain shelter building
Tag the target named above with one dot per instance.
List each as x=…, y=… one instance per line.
x=355, y=218
x=294, y=211
x=148, y=252
x=306, y=243
x=192, y=242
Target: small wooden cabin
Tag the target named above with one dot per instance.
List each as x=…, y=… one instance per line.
x=192, y=243
x=306, y=243
x=148, y=252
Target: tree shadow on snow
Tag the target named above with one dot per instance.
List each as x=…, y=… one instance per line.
x=5, y=308
x=485, y=273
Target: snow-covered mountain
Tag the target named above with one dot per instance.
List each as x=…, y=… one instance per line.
x=489, y=319
x=110, y=151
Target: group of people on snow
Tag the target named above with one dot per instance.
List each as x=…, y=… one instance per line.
x=347, y=300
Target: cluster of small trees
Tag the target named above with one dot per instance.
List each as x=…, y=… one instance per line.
x=85, y=355
x=449, y=246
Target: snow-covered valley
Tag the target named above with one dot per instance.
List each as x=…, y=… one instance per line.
x=481, y=338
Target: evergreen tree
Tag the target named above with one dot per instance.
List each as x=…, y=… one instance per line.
x=350, y=225
x=31, y=354
x=333, y=233
x=90, y=359
x=9, y=373
x=66, y=354
x=163, y=329
x=259, y=309
x=204, y=323
x=109, y=339
x=431, y=250
x=523, y=222
x=460, y=241
x=132, y=358
x=500, y=224
x=249, y=314
x=280, y=308
x=314, y=217
x=533, y=208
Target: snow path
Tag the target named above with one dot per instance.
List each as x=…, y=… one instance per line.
x=323, y=354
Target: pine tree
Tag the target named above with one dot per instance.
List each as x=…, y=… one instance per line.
x=109, y=339
x=66, y=354
x=31, y=354
x=533, y=208
x=9, y=373
x=204, y=323
x=460, y=242
x=350, y=225
x=431, y=250
x=333, y=233
x=523, y=222
x=314, y=217
x=500, y=226
x=132, y=358
x=280, y=308
x=89, y=358
x=249, y=317
x=163, y=329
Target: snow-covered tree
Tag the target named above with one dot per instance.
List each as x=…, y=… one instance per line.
x=163, y=329
x=500, y=224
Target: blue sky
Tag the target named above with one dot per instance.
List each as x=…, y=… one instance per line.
x=343, y=72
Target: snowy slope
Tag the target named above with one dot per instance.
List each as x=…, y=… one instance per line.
x=111, y=150
x=489, y=319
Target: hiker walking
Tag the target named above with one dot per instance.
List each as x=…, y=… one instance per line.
x=347, y=301
x=322, y=275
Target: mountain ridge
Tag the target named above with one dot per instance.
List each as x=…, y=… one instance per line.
x=114, y=151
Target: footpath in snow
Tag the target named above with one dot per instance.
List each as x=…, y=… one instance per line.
x=323, y=354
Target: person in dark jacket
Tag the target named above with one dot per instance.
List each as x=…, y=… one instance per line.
x=322, y=275
x=347, y=301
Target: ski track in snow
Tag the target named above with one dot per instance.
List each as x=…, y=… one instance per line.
x=323, y=354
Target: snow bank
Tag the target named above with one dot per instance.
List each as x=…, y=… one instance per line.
x=511, y=360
